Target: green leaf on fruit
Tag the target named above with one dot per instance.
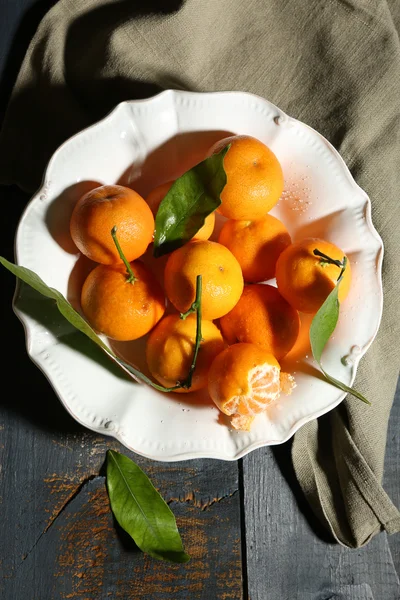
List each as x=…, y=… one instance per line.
x=188, y=202
x=322, y=327
x=141, y=511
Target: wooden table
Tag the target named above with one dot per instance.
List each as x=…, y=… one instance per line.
x=245, y=523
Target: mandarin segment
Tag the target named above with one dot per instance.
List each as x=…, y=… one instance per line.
x=242, y=381
x=263, y=317
x=98, y=211
x=170, y=348
x=158, y=193
x=221, y=274
x=306, y=280
x=257, y=245
x=254, y=178
x=118, y=309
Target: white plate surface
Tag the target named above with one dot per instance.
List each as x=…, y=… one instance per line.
x=141, y=144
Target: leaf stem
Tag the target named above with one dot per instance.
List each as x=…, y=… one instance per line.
x=145, y=379
x=191, y=310
x=187, y=382
x=332, y=261
x=345, y=388
x=131, y=276
x=197, y=307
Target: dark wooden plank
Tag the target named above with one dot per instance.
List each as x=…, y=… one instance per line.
x=58, y=535
x=289, y=555
x=58, y=538
x=95, y=566
x=391, y=479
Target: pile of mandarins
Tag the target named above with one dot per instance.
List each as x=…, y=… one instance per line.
x=248, y=325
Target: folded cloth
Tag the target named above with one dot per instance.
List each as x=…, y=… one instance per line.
x=334, y=65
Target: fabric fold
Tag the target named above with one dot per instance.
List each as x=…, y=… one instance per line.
x=344, y=493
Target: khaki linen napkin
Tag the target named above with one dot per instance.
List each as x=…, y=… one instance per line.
x=333, y=64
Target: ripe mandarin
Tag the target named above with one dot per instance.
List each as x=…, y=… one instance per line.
x=119, y=309
x=170, y=348
x=254, y=178
x=263, y=317
x=221, y=275
x=256, y=245
x=104, y=207
x=305, y=280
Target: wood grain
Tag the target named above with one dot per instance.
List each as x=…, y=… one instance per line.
x=59, y=538
x=391, y=478
x=289, y=555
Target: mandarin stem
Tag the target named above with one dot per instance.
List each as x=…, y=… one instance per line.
x=131, y=276
x=188, y=381
x=339, y=279
x=191, y=310
x=145, y=379
x=328, y=259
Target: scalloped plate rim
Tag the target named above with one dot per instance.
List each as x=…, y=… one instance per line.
x=188, y=455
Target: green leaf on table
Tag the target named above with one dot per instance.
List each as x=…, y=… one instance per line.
x=141, y=511
x=322, y=327
x=190, y=199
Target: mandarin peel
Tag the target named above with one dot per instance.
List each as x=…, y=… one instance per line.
x=243, y=380
x=306, y=273
x=97, y=211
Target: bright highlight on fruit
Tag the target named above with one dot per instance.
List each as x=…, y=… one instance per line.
x=254, y=178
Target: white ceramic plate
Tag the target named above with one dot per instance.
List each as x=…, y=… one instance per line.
x=141, y=144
